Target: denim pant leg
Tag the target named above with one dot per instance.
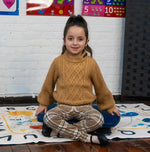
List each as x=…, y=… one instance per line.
x=40, y=116
x=109, y=120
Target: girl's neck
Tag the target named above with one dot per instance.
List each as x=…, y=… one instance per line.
x=74, y=58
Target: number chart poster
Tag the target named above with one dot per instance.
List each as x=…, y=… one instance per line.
x=105, y=8
x=50, y=7
x=9, y=7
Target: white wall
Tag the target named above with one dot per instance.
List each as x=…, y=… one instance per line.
x=28, y=44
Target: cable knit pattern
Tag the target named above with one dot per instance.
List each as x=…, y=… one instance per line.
x=74, y=78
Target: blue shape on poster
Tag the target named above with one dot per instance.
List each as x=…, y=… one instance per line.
x=141, y=124
x=16, y=119
x=41, y=11
x=122, y=111
x=134, y=125
x=129, y=114
x=148, y=131
x=20, y=123
x=146, y=120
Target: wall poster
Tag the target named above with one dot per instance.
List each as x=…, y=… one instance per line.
x=9, y=7
x=105, y=8
x=50, y=7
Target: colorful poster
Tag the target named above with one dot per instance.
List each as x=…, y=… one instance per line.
x=9, y=7
x=105, y=8
x=50, y=7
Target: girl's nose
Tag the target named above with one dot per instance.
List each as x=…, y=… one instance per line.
x=74, y=41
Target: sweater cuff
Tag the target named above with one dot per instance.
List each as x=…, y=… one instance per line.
x=44, y=98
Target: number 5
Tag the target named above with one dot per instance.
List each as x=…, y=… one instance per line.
x=86, y=9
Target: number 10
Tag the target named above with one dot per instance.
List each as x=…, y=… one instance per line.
x=109, y=10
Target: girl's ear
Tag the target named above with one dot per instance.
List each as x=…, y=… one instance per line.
x=86, y=42
x=64, y=40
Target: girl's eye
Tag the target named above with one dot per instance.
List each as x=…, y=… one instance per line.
x=69, y=38
x=80, y=39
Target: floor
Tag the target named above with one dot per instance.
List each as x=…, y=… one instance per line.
x=132, y=145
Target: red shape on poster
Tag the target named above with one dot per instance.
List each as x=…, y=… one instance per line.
x=36, y=127
x=50, y=7
x=115, y=11
x=53, y=10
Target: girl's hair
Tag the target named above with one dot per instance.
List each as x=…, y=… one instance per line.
x=80, y=22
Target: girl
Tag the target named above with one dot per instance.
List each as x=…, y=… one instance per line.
x=74, y=73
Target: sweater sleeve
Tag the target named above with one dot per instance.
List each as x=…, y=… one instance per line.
x=45, y=97
x=105, y=100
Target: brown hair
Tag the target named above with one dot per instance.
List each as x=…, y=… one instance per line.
x=77, y=21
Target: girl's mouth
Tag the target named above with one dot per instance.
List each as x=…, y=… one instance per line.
x=74, y=48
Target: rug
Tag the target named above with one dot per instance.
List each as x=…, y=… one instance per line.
x=18, y=125
x=134, y=123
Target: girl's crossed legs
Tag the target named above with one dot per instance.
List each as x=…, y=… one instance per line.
x=88, y=120
x=109, y=120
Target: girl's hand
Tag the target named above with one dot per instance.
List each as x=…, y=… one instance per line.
x=40, y=109
x=115, y=110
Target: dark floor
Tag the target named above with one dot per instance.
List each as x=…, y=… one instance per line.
x=132, y=145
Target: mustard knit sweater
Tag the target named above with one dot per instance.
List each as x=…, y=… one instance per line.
x=70, y=81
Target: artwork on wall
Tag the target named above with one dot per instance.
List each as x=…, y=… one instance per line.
x=50, y=7
x=105, y=8
x=9, y=7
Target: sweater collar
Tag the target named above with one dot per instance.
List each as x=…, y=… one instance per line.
x=75, y=58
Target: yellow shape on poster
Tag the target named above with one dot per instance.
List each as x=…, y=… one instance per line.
x=23, y=130
x=61, y=12
x=19, y=113
x=34, y=120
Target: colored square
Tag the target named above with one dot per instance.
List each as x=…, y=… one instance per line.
x=115, y=11
x=9, y=7
x=93, y=2
x=65, y=2
x=115, y=2
x=53, y=8
x=93, y=10
x=106, y=8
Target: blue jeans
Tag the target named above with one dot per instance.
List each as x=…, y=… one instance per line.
x=109, y=120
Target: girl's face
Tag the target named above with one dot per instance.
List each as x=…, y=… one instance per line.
x=75, y=40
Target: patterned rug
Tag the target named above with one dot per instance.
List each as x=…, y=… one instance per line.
x=18, y=125
x=134, y=123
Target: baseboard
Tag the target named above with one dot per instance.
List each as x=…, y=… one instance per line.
x=27, y=100
x=129, y=99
